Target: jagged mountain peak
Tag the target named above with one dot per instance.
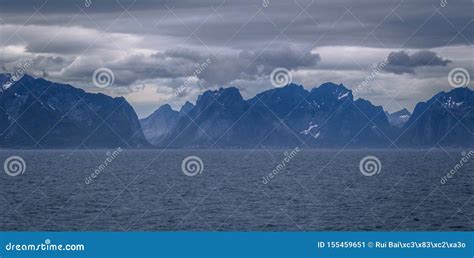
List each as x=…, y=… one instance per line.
x=221, y=93
x=444, y=120
x=456, y=98
x=401, y=112
x=398, y=118
x=44, y=114
x=186, y=107
x=332, y=91
x=221, y=98
x=289, y=93
x=165, y=107
x=331, y=88
x=163, y=110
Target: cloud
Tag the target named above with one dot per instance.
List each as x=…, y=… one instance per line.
x=71, y=40
x=225, y=68
x=247, y=24
x=402, y=62
x=217, y=69
x=162, y=43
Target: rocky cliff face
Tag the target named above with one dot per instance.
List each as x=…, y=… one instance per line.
x=159, y=123
x=398, y=118
x=35, y=113
x=326, y=116
x=447, y=119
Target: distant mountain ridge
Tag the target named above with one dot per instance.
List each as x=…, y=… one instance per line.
x=326, y=116
x=162, y=121
x=398, y=118
x=35, y=113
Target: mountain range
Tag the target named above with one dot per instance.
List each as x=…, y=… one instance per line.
x=323, y=117
x=36, y=113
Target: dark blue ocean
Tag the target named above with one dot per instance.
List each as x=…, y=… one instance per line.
x=314, y=190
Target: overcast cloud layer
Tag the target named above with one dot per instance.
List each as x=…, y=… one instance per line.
x=158, y=48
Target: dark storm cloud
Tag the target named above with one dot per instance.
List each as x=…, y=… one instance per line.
x=403, y=62
x=101, y=6
x=395, y=24
x=220, y=68
x=283, y=56
x=224, y=68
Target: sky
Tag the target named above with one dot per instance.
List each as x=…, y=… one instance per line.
x=162, y=52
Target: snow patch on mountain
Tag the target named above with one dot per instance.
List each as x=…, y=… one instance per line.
x=308, y=131
x=343, y=96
